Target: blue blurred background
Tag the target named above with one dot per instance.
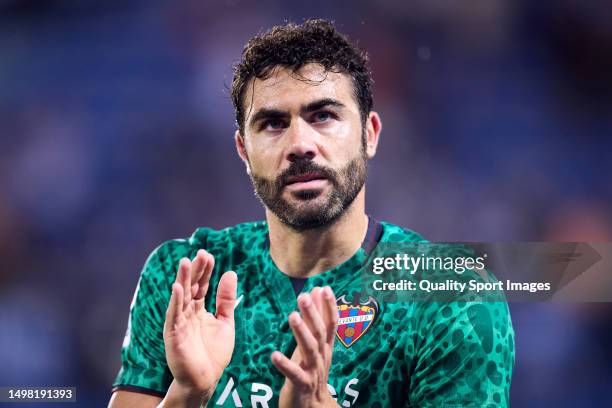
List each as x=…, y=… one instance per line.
x=116, y=134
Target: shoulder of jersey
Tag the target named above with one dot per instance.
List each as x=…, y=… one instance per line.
x=237, y=232
x=205, y=237
x=395, y=233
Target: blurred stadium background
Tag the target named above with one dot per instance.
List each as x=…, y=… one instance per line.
x=116, y=134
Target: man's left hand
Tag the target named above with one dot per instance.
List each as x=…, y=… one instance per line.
x=307, y=371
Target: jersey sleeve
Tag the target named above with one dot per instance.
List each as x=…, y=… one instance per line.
x=465, y=356
x=143, y=360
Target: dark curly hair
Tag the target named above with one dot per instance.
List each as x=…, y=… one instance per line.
x=293, y=46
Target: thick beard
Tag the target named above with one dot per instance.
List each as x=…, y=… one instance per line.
x=346, y=185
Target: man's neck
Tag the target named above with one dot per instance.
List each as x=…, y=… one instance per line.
x=302, y=254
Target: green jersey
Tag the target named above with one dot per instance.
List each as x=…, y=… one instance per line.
x=386, y=354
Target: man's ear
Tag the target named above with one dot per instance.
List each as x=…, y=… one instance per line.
x=241, y=149
x=373, y=127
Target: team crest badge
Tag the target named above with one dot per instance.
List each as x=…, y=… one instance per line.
x=355, y=318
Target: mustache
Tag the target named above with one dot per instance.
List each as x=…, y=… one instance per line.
x=301, y=167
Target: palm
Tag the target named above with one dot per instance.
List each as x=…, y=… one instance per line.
x=306, y=373
x=198, y=344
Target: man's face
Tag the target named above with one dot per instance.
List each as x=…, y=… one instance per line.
x=304, y=145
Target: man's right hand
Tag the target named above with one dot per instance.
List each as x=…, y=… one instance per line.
x=198, y=344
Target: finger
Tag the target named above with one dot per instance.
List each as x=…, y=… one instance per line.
x=197, y=268
x=317, y=298
x=309, y=346
x=291, y=370
x=330, y=313
x=205, y=277
x=226, y=297
x=175, y=307
x=182, y=278
x=311, y=315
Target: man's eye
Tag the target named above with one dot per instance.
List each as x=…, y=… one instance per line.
x=322, y=116
x=273, y=124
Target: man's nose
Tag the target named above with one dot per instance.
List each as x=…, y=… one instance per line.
x=302, y=141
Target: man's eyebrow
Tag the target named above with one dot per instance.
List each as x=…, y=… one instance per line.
x=322, y=103
x=265, y=113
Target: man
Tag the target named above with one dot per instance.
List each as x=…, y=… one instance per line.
x=306, y=130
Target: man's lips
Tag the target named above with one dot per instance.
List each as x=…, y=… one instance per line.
x=306, y=181
x=304, y=178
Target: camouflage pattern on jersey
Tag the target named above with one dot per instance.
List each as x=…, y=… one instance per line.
x=410, y=354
